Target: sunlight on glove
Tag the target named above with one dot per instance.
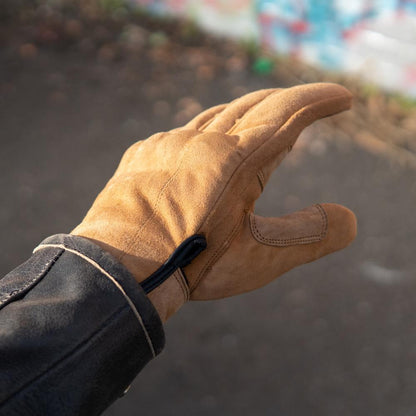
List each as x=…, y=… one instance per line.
x=204, y=178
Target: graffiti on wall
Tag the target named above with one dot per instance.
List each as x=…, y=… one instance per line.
x=374, y=38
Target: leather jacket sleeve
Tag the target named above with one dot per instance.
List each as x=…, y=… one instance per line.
x=75, y=329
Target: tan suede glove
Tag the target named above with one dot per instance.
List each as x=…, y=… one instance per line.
x=204, y=178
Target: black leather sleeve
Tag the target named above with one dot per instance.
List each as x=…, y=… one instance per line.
x=75, y=329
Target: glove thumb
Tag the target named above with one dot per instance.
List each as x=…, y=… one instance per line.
x=268, y=247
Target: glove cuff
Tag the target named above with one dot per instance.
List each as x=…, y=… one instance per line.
x=167, y=287
x=170, y=295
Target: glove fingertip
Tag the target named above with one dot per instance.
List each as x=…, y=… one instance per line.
x=342, y=226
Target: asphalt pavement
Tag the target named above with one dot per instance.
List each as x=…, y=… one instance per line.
x=336, y=337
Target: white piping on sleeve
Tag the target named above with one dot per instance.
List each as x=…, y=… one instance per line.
x=113, y=280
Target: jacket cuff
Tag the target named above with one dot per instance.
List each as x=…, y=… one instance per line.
x=120, y=277
x=76, y=329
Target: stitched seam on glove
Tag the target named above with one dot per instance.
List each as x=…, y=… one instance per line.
x=178, y=275
x=245, y=160
x=261, y=178
x=291, y=241
x=239, y=167
x=220, y=251
x=159, y=197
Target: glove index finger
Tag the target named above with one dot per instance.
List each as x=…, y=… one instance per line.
x=277, y=121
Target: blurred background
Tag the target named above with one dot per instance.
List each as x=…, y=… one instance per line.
x=82, y=80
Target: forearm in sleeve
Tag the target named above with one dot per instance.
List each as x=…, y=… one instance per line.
x=75, y=329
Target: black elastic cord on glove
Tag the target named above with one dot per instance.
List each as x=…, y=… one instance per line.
x=181, y=257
